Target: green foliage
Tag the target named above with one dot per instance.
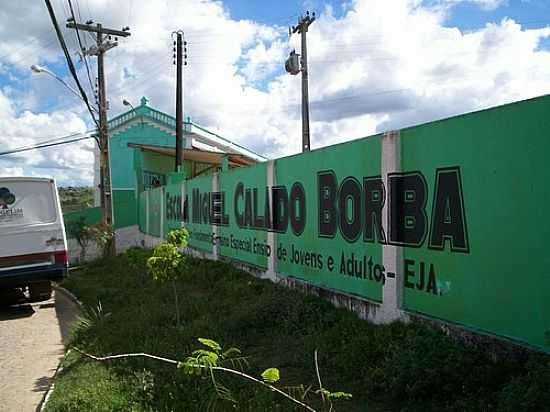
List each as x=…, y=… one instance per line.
x=211, y=344
x=529, y=392
x=79, y=230
x=333, y=395
x=75, y=198
x=165, y=263
x=178, y=237
x=271, y=375
x=202, y=360
x=137, y=257
x=208, y=361
x=97, y=387
x=397, y=367
x=103, y=235
x=91, y=318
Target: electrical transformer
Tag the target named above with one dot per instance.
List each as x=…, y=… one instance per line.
x=292, y=64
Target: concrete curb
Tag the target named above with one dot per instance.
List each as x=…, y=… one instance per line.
x=42, y=405
x=68, y=294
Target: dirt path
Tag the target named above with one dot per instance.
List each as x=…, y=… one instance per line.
x=31, y=346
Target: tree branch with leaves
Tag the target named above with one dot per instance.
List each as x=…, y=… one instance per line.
x=167, y=263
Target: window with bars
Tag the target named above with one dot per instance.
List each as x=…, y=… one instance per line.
x=151, y=179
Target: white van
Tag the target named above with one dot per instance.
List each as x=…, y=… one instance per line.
x=33, y=246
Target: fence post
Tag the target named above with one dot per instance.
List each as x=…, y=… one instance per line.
x=271, y=273
x=392, y=256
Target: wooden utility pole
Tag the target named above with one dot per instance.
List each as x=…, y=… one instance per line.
x=302, y=27
x=103, y=45
x=180, y=55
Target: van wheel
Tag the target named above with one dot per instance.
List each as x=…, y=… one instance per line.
x=40, y=291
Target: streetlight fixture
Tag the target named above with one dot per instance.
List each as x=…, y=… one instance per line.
x=41, y=69
x=127, y=103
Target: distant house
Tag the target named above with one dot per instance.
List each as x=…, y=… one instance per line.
x=142, y=155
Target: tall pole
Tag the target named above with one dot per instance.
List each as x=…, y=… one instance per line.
x=102, y=46
x=305, y=95
x=107, y=217
x=179, y=101
x=302, y=28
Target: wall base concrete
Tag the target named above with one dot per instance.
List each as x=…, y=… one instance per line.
x=75, y=252
x=127, y=237
x=365, y=309
x=493, y=347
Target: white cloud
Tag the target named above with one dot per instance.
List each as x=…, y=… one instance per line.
x=486, y=5
x=70, y=163
x=381, y=65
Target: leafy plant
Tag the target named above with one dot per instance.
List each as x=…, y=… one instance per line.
x=103, y=235
x=91, y=318
x=79, y=230
x=137, y=258
x=167, y=262
x=205, y=362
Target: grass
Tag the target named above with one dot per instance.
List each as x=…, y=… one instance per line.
x=393, y=367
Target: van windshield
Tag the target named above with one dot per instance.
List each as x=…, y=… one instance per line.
x=26, y=203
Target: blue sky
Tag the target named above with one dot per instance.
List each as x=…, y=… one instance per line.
x=374, y=65
x=465, y=15
x=531, y=13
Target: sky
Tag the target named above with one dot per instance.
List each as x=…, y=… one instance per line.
x=374, y=65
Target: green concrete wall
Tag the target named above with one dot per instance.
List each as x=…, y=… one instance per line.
x=362, y=158
x=197, y=222
x=237, y=242
x=125, y=208
x=456, y=209
x=502, y=284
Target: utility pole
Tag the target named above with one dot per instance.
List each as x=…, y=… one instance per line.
x=99, y=50
x=180, y=56
x=291, y=67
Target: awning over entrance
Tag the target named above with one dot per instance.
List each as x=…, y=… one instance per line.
x=198, y=155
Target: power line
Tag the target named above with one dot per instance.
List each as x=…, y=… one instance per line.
x=82, y=49
x=42, y=146
x=69, y=60
x=44, y=142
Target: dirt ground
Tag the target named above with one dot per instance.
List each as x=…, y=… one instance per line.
x=31, y=346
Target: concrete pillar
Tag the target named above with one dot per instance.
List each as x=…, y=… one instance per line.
x=215, y=228
x=183, y=191
x=271, y=236
x=162, y=213
x=147, y=210
x=392, y=256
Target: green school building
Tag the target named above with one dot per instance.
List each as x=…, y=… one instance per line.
x=142, y=155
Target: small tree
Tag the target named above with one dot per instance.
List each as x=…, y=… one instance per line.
x=79, y=230
x=167, y=262
x=104, y=236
